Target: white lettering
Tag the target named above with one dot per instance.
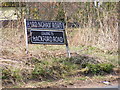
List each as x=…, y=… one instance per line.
x=47, y=37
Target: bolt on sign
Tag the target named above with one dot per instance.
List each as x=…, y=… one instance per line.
x=45, y=32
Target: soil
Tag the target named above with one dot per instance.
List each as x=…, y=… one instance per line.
x=90, y=82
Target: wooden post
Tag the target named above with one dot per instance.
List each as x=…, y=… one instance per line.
x=26, y=36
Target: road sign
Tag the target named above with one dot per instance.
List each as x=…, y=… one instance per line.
x=45, y=32
x=47, y=37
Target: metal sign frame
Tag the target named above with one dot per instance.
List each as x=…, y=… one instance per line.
x=36, y=27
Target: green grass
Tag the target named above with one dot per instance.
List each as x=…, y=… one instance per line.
x=46, y=47
x=81, y=78
x=99, y=77
x=96, y=52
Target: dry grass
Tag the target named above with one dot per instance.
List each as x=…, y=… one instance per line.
x=13, y=54
x=93, y=37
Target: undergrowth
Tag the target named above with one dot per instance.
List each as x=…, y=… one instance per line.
x=14, y=75
x=98, y=69
x=56, y=68
x=60, y=68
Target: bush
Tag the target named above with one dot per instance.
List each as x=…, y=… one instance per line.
x=106, y=67
x=94, y=68
x=97, y=69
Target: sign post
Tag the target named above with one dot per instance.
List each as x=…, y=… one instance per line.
x=45, y=32
x=67, y=47
x=26, y=36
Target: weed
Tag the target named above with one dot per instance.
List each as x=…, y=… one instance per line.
x=6, y=73
x=10, y=73
x=39, y=70
x=16, y=75
x=35, y=60
x=99, y=77
x=82, y=78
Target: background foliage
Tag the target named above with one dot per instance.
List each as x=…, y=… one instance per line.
x=96, y=26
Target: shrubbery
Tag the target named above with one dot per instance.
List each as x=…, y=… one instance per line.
x=99, y=69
